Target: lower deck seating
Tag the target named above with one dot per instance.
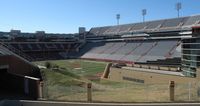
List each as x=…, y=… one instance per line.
x=134, y=51
x=39, y=56
x=44, y=50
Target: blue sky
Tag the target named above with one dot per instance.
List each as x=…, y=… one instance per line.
x=65, y=16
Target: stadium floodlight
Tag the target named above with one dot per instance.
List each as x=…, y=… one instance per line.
x=118, y=17
x=144, y=12
x=178, y=7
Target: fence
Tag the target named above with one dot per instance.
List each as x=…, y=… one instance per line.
x=65, y=93
x=64, y=85
x=123, y=92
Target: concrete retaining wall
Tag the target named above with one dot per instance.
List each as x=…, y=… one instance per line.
x=118, y=74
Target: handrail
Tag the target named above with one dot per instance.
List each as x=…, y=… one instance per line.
x=131, y=51
x=106, y=48
x=117, y=49
x=17, y=52
x=171, y=51
x=66, y=51
x=154, y=44
x=134, y=49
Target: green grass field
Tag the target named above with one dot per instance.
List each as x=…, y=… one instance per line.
x=79, y=67
x=67, y=84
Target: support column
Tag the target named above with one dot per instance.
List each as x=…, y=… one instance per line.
x=89, y=92
x=171, y=90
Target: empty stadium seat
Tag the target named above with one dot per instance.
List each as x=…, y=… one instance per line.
x=134, y=51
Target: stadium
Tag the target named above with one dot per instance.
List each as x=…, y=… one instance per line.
x=151, y=52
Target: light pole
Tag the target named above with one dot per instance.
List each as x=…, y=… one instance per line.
x=178, y=8
x=144, y=12
x=118, y=17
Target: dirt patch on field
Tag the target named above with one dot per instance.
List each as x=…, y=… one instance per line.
x=95, y=77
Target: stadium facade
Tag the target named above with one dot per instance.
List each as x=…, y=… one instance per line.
x=167, y=42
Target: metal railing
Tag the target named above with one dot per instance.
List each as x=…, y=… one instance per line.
x=17, y=52
x=125, y=92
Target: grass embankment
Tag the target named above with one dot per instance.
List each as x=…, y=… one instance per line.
x=59, y=83
x=67, y=82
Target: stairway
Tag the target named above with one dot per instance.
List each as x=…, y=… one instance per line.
x=154, y=44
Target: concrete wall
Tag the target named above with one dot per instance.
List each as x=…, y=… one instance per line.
x=15, y=85
x=117, y=74
x=51, y=103
x=19, y=67
x=20, y=77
